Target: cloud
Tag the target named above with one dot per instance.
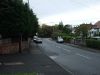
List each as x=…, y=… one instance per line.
x=68, y=11
x=87, y=15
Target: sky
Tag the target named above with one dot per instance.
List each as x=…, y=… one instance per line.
x=72, y=12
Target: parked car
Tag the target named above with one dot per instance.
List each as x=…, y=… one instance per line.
x=38, y=40
x=60, y=40
x=96, y=38
x=34, y=38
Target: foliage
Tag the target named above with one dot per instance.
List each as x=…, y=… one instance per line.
x=67, y=38
x=82, y=30
x=56, y=34
x=61, y=30
x=55, y=31
x=16, y=18
x=45, y=31
x=93, y=43
x=60, y=25
x=67, y=29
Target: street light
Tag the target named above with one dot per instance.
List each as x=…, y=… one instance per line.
x=28, y=2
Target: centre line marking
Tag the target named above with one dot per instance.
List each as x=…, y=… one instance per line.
x=83, y=56
x=58, y=47
x=66, y=50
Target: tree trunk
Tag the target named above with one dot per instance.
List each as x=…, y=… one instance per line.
x=20, y=44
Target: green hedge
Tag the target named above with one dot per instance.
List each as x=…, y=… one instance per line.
x=93, y=43
x=67, y=38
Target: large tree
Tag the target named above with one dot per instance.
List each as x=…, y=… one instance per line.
x=82, y=30
x=45, y=31
x=60, y=25
x=67, y=29
x=16, y=18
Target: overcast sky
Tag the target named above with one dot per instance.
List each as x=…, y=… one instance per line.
x=68, y=11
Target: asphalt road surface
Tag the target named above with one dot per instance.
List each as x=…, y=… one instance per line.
x=74, y=60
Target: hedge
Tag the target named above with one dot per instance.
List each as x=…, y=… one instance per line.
x=67, y=38
x=93, y=43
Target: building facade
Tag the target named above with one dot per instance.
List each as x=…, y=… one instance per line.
x=95, y=30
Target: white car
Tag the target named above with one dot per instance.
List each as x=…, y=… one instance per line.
x=34, y=38
x=38, y=40
x=60, y=40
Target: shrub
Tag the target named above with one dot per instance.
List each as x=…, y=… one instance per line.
x=67, y=38
x=93, y=43
x=56, y=34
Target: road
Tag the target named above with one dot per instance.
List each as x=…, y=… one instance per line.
x=74, y=60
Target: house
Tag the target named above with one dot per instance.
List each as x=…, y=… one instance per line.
x=95, y=30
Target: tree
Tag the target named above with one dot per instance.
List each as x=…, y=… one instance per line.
x=60, y=25
x=45, y=31
x=17, y=20
x=67, y=29
x=82, y=30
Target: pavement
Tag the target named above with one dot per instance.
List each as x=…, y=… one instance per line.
x=33, y=60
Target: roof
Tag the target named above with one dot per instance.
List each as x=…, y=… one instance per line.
x=96, y=25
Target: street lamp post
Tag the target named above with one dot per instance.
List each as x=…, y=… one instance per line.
x=28, y=2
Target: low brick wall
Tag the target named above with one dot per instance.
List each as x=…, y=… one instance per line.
x=25, y=45
x=10, y=48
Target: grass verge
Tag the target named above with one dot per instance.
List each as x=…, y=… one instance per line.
x=19, y=73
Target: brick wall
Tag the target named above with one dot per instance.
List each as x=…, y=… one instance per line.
x=10, y=48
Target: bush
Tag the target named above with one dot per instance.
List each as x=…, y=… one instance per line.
x=56, y=34
x=67, y=38
x=93, y=43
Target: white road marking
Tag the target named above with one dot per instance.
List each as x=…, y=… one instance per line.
x=66, y=50
x=65, y=45
x=14, y=63
x=83, y=56
x=58, y=47
x=53, y=57
x=63, y=49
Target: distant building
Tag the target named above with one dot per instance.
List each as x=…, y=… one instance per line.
x=95, y=30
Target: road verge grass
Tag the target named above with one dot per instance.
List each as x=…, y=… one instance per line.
x=19, y=73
